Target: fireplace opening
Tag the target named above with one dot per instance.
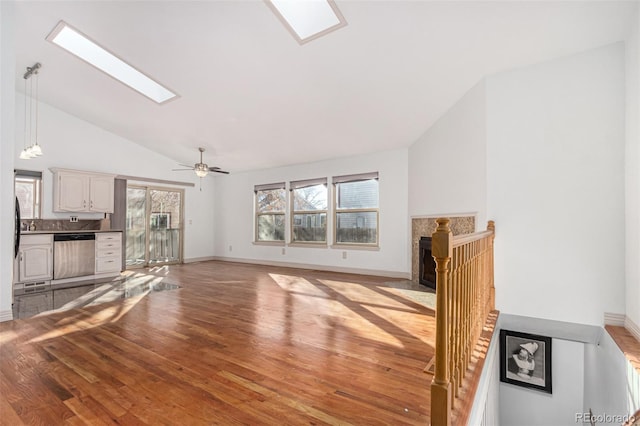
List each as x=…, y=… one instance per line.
x=426, y=264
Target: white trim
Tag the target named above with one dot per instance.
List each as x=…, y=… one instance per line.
x=6, y=316
x=632, y=327
x=199, y=259
x=269, y=243
x=377, y=273
x=614, y=319
x=486, y=400
x=436, y=216
x=153, y=180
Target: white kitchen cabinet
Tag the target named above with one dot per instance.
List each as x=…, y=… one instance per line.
x=77, y=191
x=108, y=252
x=35, y=258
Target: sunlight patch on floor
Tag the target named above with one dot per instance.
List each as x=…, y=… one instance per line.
x=80, y=322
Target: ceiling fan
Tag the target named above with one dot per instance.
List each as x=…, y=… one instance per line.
x=201, y=168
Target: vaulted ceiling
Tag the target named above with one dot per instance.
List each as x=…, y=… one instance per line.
x=255, y=98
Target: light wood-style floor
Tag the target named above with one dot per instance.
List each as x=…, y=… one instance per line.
x=237, y=344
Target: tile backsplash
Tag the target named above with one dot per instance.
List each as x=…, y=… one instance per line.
x=65, y=225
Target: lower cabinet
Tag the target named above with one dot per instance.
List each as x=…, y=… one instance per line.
x=35, y=258
x=108, y=252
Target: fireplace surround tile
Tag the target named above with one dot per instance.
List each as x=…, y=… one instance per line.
x=425, y=226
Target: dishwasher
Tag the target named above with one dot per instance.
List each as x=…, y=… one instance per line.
x=74, y=254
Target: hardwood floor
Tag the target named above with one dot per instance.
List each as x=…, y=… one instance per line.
x=237, y=344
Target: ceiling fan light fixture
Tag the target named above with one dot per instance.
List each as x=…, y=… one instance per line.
x=201, y=170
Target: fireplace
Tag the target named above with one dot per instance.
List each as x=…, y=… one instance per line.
x=426, y=264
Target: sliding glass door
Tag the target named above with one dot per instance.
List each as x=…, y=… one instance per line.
x=154, y=226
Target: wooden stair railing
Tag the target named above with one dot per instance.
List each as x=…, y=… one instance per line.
x=465, y=295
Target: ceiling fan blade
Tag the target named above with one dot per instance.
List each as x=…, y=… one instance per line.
x=180, y=169
x=185, y=165
x=220, y=171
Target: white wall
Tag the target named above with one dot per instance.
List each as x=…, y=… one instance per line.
x=527, y=407
x=633, y=172
x=69, y=142
x=235, y=216
x=7, y=75
x=555, y=161
x=447, y=165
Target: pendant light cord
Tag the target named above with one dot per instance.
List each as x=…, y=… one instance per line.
x=25, y=116
x=37, y=80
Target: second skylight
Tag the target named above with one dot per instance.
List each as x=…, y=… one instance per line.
x=308, y=19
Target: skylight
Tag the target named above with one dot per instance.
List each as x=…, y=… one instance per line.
x=308, y=19
x=77, y=43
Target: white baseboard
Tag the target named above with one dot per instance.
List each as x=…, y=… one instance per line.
x=622, y=320
x=6, y=316
x=359, y=271
x=198, y=259
x=614, y=319
x=632, y=327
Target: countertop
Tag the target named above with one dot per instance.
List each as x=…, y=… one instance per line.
x=70, y=231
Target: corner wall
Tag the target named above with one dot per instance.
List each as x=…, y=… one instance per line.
x=555, y=161
x=632, y=176
x=447, y=165
x=7, y=135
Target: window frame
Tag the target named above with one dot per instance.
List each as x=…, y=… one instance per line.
x=258, y=214
x=301, y=184
x=36, y=178
x=337, y=180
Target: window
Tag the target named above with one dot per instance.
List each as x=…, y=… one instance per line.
x=28, y=190
x=356, y=212
x=271, y=202
x=309, y=211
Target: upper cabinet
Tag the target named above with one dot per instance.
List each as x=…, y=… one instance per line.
x=79, y=191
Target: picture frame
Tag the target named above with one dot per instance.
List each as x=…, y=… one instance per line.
x=525, y=360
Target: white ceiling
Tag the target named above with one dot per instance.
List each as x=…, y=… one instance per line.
x=255, y=98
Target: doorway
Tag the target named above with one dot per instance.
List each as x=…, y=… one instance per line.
x=154, y=226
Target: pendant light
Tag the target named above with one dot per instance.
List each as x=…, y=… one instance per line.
x=33, y=150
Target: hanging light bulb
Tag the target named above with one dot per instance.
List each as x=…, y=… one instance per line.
x=36, y=151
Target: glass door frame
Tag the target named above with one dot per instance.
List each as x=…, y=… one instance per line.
x=147, y=226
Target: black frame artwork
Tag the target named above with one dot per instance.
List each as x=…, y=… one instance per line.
x=525, y=360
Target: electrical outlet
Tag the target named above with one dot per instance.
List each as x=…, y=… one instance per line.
x=73, y=219
x=190, y=222
x=230, y=247
x=284, y=251
x=344, y=254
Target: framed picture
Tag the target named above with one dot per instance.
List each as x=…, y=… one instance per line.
x=525, y=360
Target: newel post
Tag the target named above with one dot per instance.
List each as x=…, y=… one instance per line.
x=491, y=226
x=441, y=249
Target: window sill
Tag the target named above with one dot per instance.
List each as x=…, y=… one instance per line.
x=309, y=244
x=269, y=243
x=355, y=247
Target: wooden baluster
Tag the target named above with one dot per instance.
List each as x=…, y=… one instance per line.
x=491, y=226
x=441, y=249
x=453, y=325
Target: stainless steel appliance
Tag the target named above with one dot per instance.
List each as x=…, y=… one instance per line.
x=74, y=254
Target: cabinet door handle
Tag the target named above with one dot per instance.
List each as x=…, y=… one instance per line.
x=91, y=203
x=84, y=204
